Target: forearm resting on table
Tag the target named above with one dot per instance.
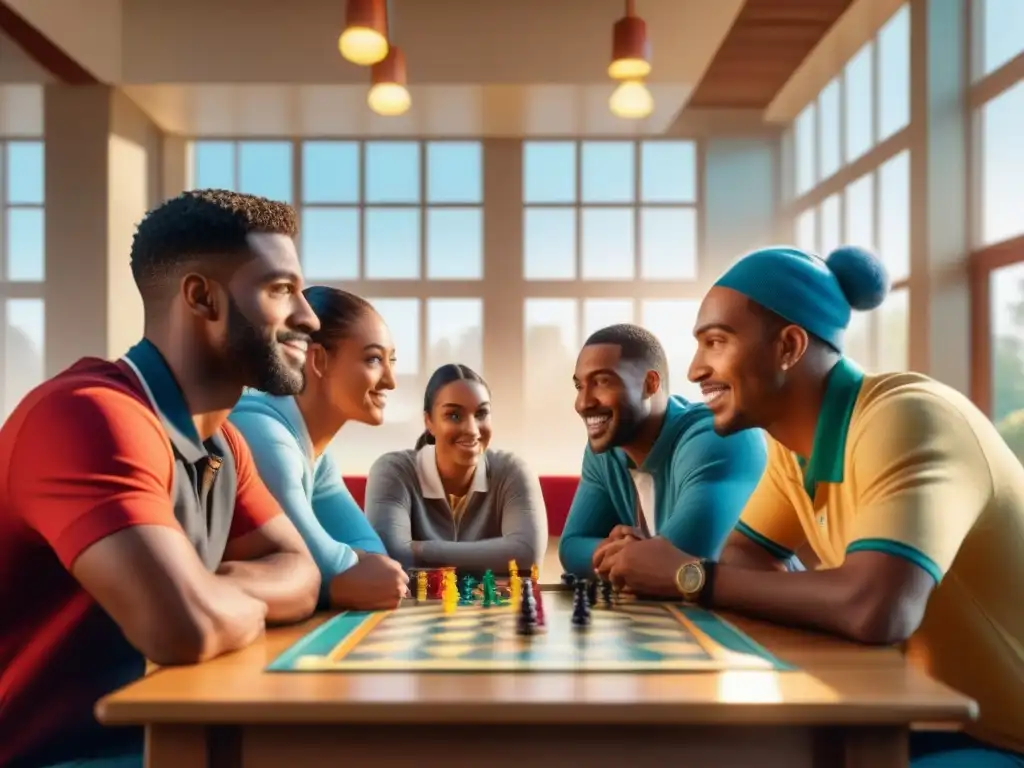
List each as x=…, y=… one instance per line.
x=577, y=553
x=287, y=582
x=493, y=554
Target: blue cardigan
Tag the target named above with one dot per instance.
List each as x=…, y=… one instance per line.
x=312, y=493
x=701, y=484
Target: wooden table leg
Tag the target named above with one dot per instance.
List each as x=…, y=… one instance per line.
x=865, y=747
x=197, y=746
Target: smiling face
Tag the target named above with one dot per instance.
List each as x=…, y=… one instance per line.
x=460, y=421
x=358, y=371
x=739, y=361
x=268, y=321
x=612, y=395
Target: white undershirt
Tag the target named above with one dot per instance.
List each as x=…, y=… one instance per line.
x=645, y=493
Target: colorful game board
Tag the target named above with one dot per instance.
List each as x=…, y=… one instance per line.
x=626, y=637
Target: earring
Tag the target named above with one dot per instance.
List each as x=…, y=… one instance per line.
x=785, y=366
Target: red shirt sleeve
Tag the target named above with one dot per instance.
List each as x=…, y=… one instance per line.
x=87, y=462
x=255, y=505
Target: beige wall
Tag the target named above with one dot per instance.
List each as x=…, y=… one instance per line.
x=104, y=165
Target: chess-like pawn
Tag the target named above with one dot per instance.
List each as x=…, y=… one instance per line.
x=526, y=621
x=535, y=573
x=580, y=606
x=592, y=591
x=421, y=586
x=606, y=593
x=541, y=622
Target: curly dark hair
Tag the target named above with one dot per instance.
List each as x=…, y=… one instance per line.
x=198, y=225
x=637, y=344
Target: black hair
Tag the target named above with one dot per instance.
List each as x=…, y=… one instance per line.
x=439, y=379
x=636, y=344
x=337, y=311
x=201, y=224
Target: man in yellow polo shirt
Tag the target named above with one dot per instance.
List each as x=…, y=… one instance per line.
x=900, y=486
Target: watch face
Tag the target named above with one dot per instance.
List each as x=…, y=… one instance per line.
x=692, y=578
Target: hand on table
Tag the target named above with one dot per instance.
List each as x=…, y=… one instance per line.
x=646, y=567
x=620, y=536
x=374, y=583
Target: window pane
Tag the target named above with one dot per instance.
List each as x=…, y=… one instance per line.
x=455, y=333
x=553, y=430
x=330, y=243
x=1006, y=291
x=805, y=147
x=860, y=212
x=893, y=332
x=26, y=248
x=549, y=243
x=830, y=234
x=454, y=172
x=392, y=172
x=858, y=340
x=1003, y=166
x=608, y=172
x=1002, y=31
x=806, y=237
x=600, y=313
x=672, y=322
x=668, y=243
x=668, y=172
x=25, y=174
x=859, y=114
x=894, y=74
x=403, y=319
x=265, y=168
x=455, y=244
x=608, y=243
x=214, y=165
x=392, y=243
x=357, y=446
x=894, y=215
x=24, y=362
x=330, y=172
x=549, y=172
x=828, y=119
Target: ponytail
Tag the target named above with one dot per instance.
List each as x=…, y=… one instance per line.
x=425, y=439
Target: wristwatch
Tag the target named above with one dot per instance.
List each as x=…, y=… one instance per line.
x=693, y=580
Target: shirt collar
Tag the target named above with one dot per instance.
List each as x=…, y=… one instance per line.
x=828, y=451
x=167, y=400
x=430, y=479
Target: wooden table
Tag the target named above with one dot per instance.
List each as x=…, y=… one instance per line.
x=847, y=707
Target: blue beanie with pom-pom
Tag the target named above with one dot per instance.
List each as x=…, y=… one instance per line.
x=816, y=294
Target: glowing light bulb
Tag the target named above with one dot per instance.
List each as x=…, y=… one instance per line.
x=629, y=69
x=389, y=99
x=363, y=46
x=631, y=100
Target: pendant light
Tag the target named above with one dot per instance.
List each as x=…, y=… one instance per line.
x=364, y=40
x=631, y=52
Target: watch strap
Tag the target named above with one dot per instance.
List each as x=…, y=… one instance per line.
x=707, y=589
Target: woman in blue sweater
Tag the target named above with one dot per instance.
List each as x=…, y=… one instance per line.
x=348, y=375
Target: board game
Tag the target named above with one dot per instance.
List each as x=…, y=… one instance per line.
x=625, y=636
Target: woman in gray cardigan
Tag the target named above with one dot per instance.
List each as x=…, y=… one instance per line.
x=452, y=501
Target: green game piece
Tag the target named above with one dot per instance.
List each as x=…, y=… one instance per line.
x=490, y=589
x=466, y=590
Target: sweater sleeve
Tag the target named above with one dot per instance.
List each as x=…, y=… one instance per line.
x=281, y=465
x=339, y=513
x=591, y=518
x=388, y=507
x=715, y=476
x=524, y=527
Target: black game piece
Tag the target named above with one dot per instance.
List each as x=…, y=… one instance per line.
x=580, y=606
x=592, y=591
x=606, y=592
x=568, y=579
x=526, y=622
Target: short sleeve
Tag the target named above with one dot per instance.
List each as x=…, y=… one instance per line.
x=88, y=462
x=255, y=505
x=921, y=479
x=770, y=517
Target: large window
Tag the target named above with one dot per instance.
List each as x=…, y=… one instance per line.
x=398, y=222
x=22, y=268
x=610, y=235
x=997, y=225
x=851, y=180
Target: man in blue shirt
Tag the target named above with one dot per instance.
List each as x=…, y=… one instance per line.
x=653, y=464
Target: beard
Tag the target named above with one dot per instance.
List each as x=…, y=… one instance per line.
x=258, y=356
x=628, y=421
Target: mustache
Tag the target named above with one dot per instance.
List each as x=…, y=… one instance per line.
x=287, y=336
x=597, y=412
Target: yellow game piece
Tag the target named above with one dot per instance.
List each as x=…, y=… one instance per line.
x=513, y=568
x=421, y=586
x=450, y=592
x=534, y=573
x=515, y=589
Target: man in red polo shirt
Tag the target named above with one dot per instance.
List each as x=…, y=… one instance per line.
x=133, y=524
